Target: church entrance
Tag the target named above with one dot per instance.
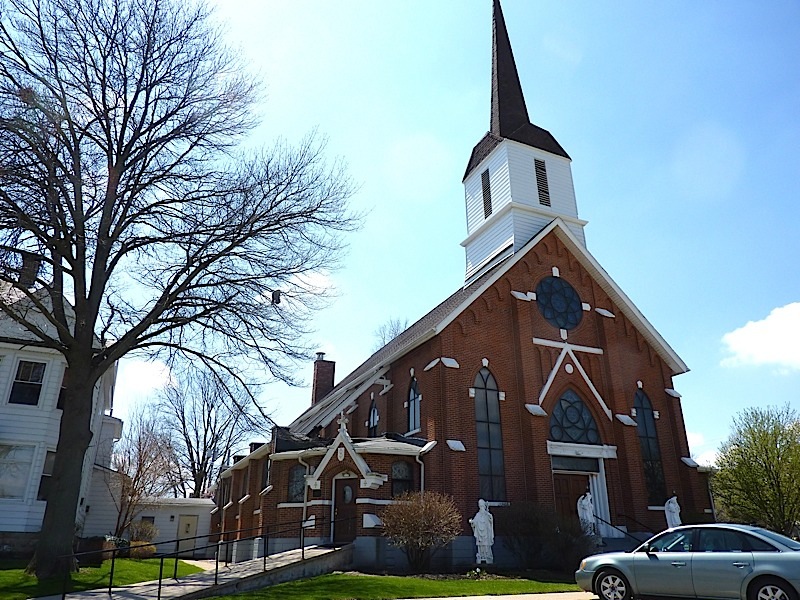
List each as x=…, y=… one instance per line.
x=344, y=510
x=568, y=487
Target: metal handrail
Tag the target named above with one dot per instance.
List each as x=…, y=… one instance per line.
x=218, y=544
x=633, y=537
x=639, y=523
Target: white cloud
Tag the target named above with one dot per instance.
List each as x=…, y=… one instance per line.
x=707, y=458
x=771, y=341
x=695, y=439
x=137, y=380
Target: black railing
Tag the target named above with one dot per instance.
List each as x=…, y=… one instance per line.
x=221, y=545
x=645, y=528
x=633, y=537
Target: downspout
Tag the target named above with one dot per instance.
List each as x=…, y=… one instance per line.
x=425, y=449
x=305, y=489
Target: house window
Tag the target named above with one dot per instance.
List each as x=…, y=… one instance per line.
x=651, y=454
x=151, y=520
x=572, y=422
x=297, y=483
x=15, y=468
x=62, y=392
x=47, y=472
x=541, y=182
x=414, y=399
x=28, y=383
x=491, y=472
x=374, y=417
x=401, y=478
x=487, y=194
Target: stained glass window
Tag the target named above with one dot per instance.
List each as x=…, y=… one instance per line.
x=374, y=417
x=414, y=398
x=651, y=454
x=559, y=303
x=297, y=484
x=491, y=472
x=401, y=478
x=572, y=422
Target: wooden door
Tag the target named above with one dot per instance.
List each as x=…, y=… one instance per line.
x=187, y=528
x=344, y=511
x=568, y=488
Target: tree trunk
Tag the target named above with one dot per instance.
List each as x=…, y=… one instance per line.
x=53, y=556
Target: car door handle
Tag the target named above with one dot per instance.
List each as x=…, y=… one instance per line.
x=678, y=563
x=741, y=565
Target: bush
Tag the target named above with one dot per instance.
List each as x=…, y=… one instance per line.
x=541, y=539
x=141, y=549
x=420, y=523
x=143, y=531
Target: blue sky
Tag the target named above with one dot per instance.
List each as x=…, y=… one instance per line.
x=681, y=119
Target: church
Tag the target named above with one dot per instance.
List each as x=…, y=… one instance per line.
x=536, y=381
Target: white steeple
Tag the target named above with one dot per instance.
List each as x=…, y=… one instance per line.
x=519, y=178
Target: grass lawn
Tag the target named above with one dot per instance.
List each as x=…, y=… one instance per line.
x=345, y=586
x=16, y=585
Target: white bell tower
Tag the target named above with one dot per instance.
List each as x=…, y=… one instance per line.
x=519, y=178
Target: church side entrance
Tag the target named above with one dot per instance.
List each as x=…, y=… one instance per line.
x=568, y=488
x=344, y=510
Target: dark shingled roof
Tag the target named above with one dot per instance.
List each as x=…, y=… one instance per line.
x=405, y=341
x=509, y=115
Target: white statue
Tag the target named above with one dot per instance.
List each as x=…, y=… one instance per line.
x=586, y=513
x=483, y=530
x=672, y=510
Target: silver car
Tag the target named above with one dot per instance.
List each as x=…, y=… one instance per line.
x=699, y=561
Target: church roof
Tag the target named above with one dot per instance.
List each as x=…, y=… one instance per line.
x=509, y=115
x=370, y=371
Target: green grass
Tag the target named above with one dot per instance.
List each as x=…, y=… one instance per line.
x=378, y=587
x=16, y=585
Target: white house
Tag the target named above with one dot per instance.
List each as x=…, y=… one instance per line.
x=31, y=379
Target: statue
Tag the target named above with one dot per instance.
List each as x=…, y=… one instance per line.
x=483, y=529
x=672, y=510
x=586, y=513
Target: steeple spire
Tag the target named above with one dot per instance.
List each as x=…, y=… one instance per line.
x=509, y=115
x=509, y=112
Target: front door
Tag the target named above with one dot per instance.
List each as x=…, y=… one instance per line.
x=187, y=528
x=568, y=488
x=344, y=510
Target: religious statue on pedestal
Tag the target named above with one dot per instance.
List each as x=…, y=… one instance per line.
x=586, y=513
x=672, y=510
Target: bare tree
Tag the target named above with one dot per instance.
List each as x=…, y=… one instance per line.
x=141, y=462
x=208, y=423
x=119, y=170
x=388, y=331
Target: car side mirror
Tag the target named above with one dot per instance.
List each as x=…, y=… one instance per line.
x=649, y=549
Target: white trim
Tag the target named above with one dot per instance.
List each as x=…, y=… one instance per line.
x=456, y=445
x=257, y=511
x=370, y=521
x=245, y=499
x=431, y=364
x=583, y=450
x=536, y=410
x=290, y=505
x=413, y=431
x=605, y=313
x=625, y=420
x=265, y=491
x=689, y=462
x=450, y=363
x=375, y=501
x=567, y=345
x=656, y=508
x=672, y=393
x=228, y=505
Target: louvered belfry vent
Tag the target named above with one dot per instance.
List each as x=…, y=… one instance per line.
x=487, y=194
x=541, y=182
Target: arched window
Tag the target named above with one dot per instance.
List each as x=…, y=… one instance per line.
x=297, y=484
x=491, y=473
x=374, y=417
x=402, y=480
x=572, y=422
x=651, y=453
x=414, y=399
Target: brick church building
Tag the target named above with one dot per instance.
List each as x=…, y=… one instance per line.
x=535, y=381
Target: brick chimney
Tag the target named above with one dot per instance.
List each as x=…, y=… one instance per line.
x=323, y=378
x=30, y=269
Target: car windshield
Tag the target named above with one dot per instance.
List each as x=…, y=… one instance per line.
x=781, y=539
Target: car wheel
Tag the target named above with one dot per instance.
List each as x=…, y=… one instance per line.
x=771, y=588
x=612, y=585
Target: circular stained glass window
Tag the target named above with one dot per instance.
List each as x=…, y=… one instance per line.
x=559, y=303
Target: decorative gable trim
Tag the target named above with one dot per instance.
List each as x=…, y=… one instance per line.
x=344, y=445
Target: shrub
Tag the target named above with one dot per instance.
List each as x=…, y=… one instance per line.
x=144, y=531
x=541, y=539
x=420, y=523
x=141, y=549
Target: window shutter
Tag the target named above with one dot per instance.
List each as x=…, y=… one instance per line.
x=541, y=182
x=487, y=194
